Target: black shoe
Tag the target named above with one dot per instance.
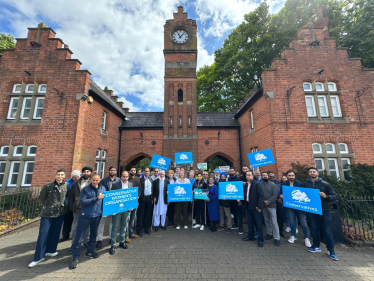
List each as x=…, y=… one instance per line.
x=99, y=244
x=123, y=245
x=234, y=227
x=110, y=241
x=156, y=229
x=112, y=250
x=92, y=255
x=277, y=242
x=268, y=237
x=283, y=235
x=74, y=264
x=147, y=231
x=260, y=244
x=163, y=227
x=170, y=224
x=63, y=239
x=248, y=239
x=140, y=234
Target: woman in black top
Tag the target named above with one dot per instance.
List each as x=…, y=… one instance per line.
x=199, y=203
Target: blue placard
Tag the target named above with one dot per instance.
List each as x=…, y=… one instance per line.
x=119, y=201
x=261, y=158
x=181, y=192
x=231, y=190
x=160, y=162
x=183, y=158
x=201, y=194
x=304, y=199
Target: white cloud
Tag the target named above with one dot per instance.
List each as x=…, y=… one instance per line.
x=128, y=104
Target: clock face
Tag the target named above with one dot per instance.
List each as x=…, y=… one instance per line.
x=180, y=36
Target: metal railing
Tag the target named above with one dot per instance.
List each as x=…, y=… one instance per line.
x=18, y=206
x=357, y=215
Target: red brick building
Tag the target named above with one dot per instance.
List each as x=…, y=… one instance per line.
x=313, y=108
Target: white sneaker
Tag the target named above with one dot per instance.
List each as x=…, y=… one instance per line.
x=178, y=227
x=196, y=226
x=186, y=226
x=232, y=216
x=307, y=243
x=35, y=263
x=202, y=227
x=193, y=221
x=292, y=240
x=51, y=254
x=288, y=229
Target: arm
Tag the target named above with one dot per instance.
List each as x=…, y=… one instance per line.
x=260, y=196
x=85, y=201
x=331, y=195
x=215, y=194
x=274, y=196
x=44, y=193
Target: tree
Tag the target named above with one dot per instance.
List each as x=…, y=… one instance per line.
x=6, y=42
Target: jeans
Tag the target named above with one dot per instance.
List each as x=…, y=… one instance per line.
x=294, y=214
x=49, y=233
x=122, y=218
x=286, y=216
x=68, y=221
x=254, y=218
x=132, y=217
x=222, y=211
x=100, y=231
x=181, y=207
x=322, y=222
x=270, y=216
x=200, y=210
x=75, y=227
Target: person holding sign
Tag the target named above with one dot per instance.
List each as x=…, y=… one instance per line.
x=122, y=218
x=323, y=221
x=181, y=206
x=160, y=198
x=199, y=204
x=213, y=205
x=145, y=204
x=225, y=209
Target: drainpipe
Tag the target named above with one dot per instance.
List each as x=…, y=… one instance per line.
x=119, y=152
x=240, y=149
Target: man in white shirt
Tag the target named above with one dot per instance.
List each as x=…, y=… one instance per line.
x=145, y=204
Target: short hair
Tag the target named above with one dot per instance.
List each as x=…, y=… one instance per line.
x=139, y=169
x=312, y=168
x=178, y=167
x=289, y=171
x=211, y=178
x=124, y=172
x=133, y=167
x=199, y=173
x=146, y=169
x=61, y=170
x=264, y=173
x=232, y=168
x=270, y=172
x=95, y=174
x=171, y=171
x=249, y=172
x=75, y=173
x=112, y=167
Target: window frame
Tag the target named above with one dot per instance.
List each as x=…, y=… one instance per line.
x=334, y=86
x=313, y=105
x=15, y=150
x=28, y=150
x=12, y=99
x=39, y=88
x=346, y=151
x=23, y=108
x=323, y=87
x=27, y=91
x=97, y=166
x=322, y=162
x=103, y=121
x=102, y=169
x=25, y=173
x=11, y=172
x=337, y=105
x=36, y=108
x=333, y=148
x=320, y=148
x=2, y=151
x=180, y=121
x=103, y=154
x=336, y=167
x=326, y=106
x=310, y=86
x=171, y=121
x=98, y=153
x=349, y=164
x=2, y=173
x=180, y=95
x=252, y=121
x=14, y=91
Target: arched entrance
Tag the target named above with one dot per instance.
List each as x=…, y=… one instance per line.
x=218, y=159
x=140, y=160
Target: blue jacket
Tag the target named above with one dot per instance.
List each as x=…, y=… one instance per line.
x=91, y=206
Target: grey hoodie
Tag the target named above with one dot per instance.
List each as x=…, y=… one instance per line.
x=270, y=193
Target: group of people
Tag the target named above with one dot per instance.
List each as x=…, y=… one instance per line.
x=77, y=204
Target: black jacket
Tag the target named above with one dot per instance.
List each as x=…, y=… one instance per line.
x=53, y=197
x=326, y=188
x=201, y=185
x=156, y=190
x=75, y=192
x=142, y=186
x=296, y=183
x=105, y=182
x=256, y=196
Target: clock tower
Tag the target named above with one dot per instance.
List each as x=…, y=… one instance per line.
x=180, y=111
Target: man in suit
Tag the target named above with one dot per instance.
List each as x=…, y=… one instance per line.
x=159, y=194
x=122, y=218
x=254, y=204
x=145, y=204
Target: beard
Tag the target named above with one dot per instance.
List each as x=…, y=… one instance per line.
x=265, y=180
x=86, y=177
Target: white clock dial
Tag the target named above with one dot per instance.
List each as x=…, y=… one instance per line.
x=180, y=36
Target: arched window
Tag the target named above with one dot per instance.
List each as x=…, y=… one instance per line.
x=180, y=95
x=317, y=148
x=330, y=148
x=307, y=86
x=332, y=86
x=320, y=87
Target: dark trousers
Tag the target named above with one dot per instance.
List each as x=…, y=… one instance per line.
x=170, y=212
x=318, y=223
x=181, y=207
x=280, y=217
x=238, y=213
x=254, y=218
x=68, y=221
x=49, y=233
x=200, y=211
x=145, y=210
x=83, y=223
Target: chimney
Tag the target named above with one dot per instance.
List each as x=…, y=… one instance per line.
x=115, y=98
x=109, y=92
x=180, y=10
x=126, y=109
x=120, y=103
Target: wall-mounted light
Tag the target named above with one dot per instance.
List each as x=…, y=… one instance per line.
x=90, y=100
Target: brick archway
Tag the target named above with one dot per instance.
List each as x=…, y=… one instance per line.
x=221, y=155
x=134, y=160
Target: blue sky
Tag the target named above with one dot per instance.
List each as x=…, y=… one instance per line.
x=121, y=41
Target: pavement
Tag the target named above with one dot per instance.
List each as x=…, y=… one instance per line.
x=186, y=254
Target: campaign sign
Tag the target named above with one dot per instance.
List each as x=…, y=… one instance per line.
x=180, y=192
x=304, y=199
x=119, y=201
x=231, y=190
x=224, y=168
x=160, y=162
x=261, y=158
x=201, y=194
x=183, y=158
x=202, y=166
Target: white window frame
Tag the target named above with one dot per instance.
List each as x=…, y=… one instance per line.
x=252, y=121
x=323, y=87
x=333, y=84
x=102, y=169
x=310, y=86
x=333, y=148
x=326, y=106
x=103, y=154
x=40, y=88
x=345, y=151
x=27, y=89
x=320, y=148
x=323, y=164
x=23, y=108
x=11, y=106
x=103, y=124
x=28, y=150
x=15, y=150
x=2, y=151
x=97, y=167
x=336, y=167
x=24, y=173
x=14, y=89
x=2, y=173
x=349, y=163
x=36, y=108
x=313, y=105
x=338, y=106
x=11, y=172
x=98, y=153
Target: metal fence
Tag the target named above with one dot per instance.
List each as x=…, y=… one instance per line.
x=357, y=215
x=18, y=206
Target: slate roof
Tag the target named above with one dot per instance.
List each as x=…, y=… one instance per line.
x=216, y=119
x=143, y=120
x=106, y=99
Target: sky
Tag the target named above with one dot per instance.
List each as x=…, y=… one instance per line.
x=121, y=41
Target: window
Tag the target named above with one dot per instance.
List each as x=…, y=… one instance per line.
x=103, y=154
x=103, y=121
x=31, y=150
x=97, y=153
x=333, y=167
x=4, y=151
x=331, y=86
x=29, y=88
x=320, y=87
x=13, y=173
x=26, y=107
x=13, y=108
x=42, y=88
x=335, y=106
x=97, y=167
x=320, y=166
x=39, y=108
x=346, y=162
x=2, y=172
x=18, y=150
x=189, y=120
x=17, y=88
x=343, y=148
x=180, y=120
x=252, y=121
x=307, y=86
x=102, y=170
x=171, y=120
x=180, y=95
x=27, y=173
x=322, y=104
x=100, y=162
x=310, y=107
x=317, y=148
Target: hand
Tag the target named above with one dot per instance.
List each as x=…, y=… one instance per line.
x=323, y=195
x=243, y=182
x=208, y=200
x=167, y=192
x=266, y=203
x=101, y=196
x=239, y=204
x=224, y=198
x=168, y=203
x=280, y=201
x=258, y=209
x=281, y=196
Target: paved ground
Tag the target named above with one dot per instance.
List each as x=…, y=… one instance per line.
x=186, y=254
